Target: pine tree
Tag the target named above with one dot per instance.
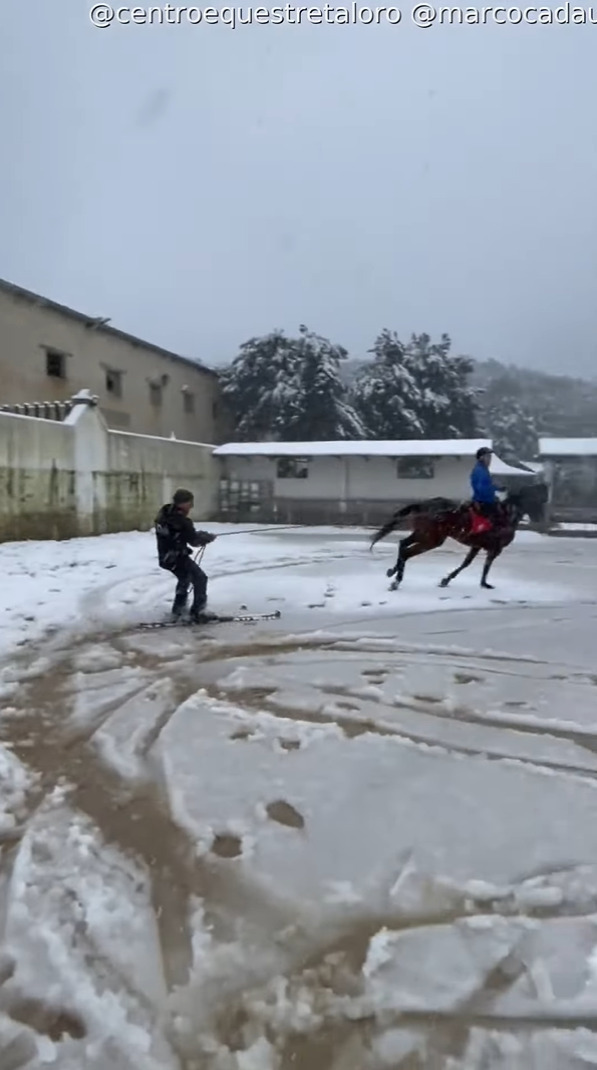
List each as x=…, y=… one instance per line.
x=290, y=389
x=510, y=422
x=385, y=393
x=417, y=390
x=261, y=387
x=323, y=411
x=448, y=407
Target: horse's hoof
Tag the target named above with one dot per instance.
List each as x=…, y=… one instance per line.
x=444, y=583
x=393, y=587
x=389, y=573
x=488, y=586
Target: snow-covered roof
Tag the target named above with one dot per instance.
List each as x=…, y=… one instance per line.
x=447, y=447
x=568, y=447
x=500, y=468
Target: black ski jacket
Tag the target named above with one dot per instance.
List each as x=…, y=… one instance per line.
x=175, y=532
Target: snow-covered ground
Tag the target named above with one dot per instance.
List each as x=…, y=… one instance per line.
x=363, y=836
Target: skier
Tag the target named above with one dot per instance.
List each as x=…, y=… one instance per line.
x=175, y=532
x=484, y=489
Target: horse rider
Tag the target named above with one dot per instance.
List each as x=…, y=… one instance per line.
x=484, y=489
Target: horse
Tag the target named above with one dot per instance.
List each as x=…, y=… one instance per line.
x=436, y=519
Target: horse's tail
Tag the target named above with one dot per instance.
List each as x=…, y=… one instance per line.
x=394, y=521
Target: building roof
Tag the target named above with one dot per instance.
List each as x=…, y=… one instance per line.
x=448, y=447
x=568, y=447
x=97, y=324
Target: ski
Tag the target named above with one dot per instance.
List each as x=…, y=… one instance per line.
x=218, y=618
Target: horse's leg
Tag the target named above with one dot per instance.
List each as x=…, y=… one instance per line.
x=412, y=547
x=398, y=570
x=470, y=557
x=490, y=558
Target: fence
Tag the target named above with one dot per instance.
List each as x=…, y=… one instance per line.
x=44, y=410
x=60, y=478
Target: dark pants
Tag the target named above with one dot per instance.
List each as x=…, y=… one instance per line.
x=489, y=509
x=189, y=575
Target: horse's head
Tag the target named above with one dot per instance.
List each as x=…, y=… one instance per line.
x=530, y=501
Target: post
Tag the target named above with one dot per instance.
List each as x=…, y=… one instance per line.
x=345, y=490
x=90, y=462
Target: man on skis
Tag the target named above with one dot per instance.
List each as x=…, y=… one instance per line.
x=484, y=489
x=175, y=532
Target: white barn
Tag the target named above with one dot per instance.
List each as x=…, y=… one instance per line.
x=346, y=481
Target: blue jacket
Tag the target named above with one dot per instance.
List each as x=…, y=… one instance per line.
x=482, y=484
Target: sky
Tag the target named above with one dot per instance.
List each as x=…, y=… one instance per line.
x=200, y=185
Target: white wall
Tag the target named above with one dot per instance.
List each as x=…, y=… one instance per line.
x=376, y=479
x=59, y=480
x=355, y=478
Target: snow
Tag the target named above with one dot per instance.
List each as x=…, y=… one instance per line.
x=568, y=447
x=358, y=837
x=15, y=782
x=451, y=447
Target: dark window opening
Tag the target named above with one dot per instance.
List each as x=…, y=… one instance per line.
x=188, y=401
x=292, y=468
x=415, y=468
x=114, y=383
x=155, y=394
x=55, y=364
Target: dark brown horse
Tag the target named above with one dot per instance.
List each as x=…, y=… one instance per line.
x=435, y=520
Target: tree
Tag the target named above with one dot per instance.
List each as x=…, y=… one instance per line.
x=448, y=407
x=520, y=404
x=417, y=390
x=385, y=393
x=290, y=389
x=510, y=419
x=512, y=428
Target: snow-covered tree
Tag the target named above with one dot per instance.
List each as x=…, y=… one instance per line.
x=385, y=393
x=261, y=387
x=291, y=389
x=511, y=426
x=415, y=390
x=448, y=407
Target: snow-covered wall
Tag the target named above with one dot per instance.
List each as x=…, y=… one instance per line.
x=37, y=478
x=60, y=480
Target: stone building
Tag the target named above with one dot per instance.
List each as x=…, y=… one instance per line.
x=49, y=352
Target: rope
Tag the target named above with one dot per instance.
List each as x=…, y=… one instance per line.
x=257, y=531
x=246, y=531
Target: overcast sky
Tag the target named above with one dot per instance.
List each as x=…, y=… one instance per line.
x=200, y=185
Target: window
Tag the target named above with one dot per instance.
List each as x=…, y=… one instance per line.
x=155, y=394
x=188, y=401
x=55, y=364
x=215, y=410
x=292, y=468
x=114, y=382
x=415, y=468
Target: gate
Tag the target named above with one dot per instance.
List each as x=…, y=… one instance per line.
x=243, y=500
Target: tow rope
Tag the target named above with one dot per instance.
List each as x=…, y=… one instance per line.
x=245, y=531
